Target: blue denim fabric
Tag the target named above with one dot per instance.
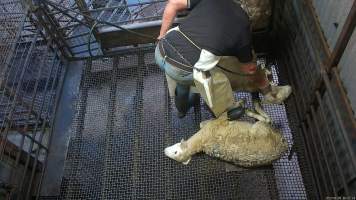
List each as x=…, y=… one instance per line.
x=181, y=76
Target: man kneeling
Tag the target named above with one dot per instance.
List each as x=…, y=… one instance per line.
x=210, y=53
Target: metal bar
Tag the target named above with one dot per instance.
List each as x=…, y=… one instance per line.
x=102, y=12
x=138, y=116
x=320, y=138
x=69, y=26
x=84, y=9
x=121, y=52
x=35, y=130
x=52, y=98
x=110, y=121
x=76, y=36
x=311, y=155
x=12, y=149
x=23, y=133
x=3, y=143
x=68, y=21
x=19, y=100
x=344, y=38
x=112, y=14
x=8, y=92
x=300, y=133
x=338, y=117
x=32, y=102
x=83, y=96
x=51, y=26
x=86, y=51
x=345, y=99
x=322, y=116
x=11, y=64
x=64, y=11
x=13, y=46
x=9, y=3
x=83, y=44
x=59, y=91
x=321, y=172
x=126, y=6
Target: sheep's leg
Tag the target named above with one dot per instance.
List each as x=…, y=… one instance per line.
x=260, y=127
x=255, y=115
x=260, y=111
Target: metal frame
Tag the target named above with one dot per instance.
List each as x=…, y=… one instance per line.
x=30, y=79
x=326, y=119
x=344, y=38
x=72, y=27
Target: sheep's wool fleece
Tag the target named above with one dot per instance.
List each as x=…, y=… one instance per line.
x=259, y=11
x=243, y=143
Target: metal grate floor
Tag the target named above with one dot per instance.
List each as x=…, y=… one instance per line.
x=125, y=119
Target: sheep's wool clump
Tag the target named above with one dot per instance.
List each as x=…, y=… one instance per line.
x=242, y=143
x=259, y=12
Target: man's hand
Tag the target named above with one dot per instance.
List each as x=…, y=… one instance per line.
x=170, y=12
x=160, y=37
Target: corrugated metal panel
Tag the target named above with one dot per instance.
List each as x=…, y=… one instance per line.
x=348, y=70
x=332, y=15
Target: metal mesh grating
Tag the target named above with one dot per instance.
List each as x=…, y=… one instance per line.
x=124, y=121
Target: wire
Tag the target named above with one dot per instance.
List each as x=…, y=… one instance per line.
x=89, y=39
x=97, y=21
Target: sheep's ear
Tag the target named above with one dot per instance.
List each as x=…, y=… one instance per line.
x=186, y=162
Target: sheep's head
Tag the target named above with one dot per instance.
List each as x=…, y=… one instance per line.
x=178, y=152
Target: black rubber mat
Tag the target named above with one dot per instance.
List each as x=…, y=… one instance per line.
x=124, y=121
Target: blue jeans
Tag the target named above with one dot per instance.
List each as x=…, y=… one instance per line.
x=180, y=76
x=183, y=98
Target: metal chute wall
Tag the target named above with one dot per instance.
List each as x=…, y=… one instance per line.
x=332, y=17
x=348, y=71
x=30, y=78
x=325, y=122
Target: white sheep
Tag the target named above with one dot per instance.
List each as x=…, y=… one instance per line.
x=242, y=143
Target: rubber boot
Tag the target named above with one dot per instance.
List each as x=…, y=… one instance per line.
x=184, y=100
x=181, y=100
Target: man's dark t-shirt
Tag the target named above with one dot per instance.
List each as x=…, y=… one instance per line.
x=219, y=26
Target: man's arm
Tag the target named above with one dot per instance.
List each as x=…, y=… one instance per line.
x=245, y=56
x=170, y=12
